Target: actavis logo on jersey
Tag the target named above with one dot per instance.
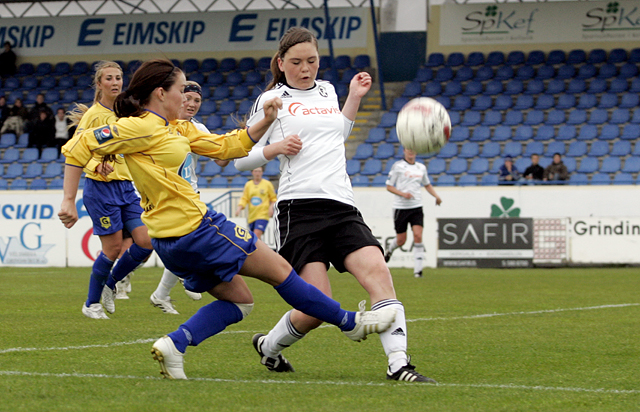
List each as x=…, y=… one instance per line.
x=299, y=109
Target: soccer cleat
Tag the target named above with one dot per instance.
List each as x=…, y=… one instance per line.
x=121, y=287
x=165, y=305
x=171, y=360
x=408, y=374
x=94, y=311
x=417, y=275
x=279, y=364
x=192, y=295
x=387, y=256
x=108, y=299
x=376, y=321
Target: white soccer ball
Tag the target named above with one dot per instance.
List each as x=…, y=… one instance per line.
x=423, y=125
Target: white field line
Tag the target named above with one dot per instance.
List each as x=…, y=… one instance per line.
x=334, y=383
x=482, y=316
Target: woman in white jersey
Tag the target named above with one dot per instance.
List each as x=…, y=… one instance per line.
x=317, y=220
x=405, y=181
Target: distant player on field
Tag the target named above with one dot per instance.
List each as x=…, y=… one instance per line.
x=260, y=197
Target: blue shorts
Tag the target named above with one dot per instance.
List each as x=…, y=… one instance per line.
x=112, y=206
x=260, y=224
x=211, y=254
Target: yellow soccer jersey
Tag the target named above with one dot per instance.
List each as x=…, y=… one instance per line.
x=99, y=115
x=157, y=155
x=258, y=197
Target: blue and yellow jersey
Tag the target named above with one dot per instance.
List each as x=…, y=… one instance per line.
x=258, y=197
x=99, y=115
x=157, y=154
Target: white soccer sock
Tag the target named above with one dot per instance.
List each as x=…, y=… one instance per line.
x=280, y=337
x=393, y=245
x=394, y=339
x=418, y=257
x=167, y=282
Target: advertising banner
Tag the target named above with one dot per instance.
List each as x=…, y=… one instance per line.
x=605, y=240
x=546, y=22
x=180, y=32
x=485, y=242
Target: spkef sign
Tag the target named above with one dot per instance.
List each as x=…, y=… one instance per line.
x=485, y=242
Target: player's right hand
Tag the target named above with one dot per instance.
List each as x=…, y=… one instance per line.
x=290, y=146
x=68, y=214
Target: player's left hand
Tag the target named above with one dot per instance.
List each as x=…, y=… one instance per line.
x=360, y=84
x=438, y=201
x=104, y=169
x=271, y=108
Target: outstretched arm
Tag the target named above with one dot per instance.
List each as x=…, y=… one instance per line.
x=358, y=88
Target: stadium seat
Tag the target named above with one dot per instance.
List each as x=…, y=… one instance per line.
x=555, y=86
x=252, y=78
x=489, y=180
x=469, y=150
x=629, y=100
x=504, y=73
x=79, y=68
x=49, y=154
x=210, y=169
x=393, y=136
x=555, y=147
x=484, y=73
x=463, y=74
x=597, y=86
x=388, y=119
x=22, y=142
x=620, y=116
x=493, y=88
x=515, y=58
x=457, y=166
x=13, y=170
x=586, y=71
x=376, y=135
x=566, y=132
x=513, y=118
x=412, y=89
x=522, y=133
x=379, y=181
x=475, y=59
x=512, y=149
x=535, y=86
x=525, y=73
x=478, y=166
x=501, y=134
x=577, y=116
x=598, y=148
x=444, y=100
x=607, y=71
x=443, y=74
x=472, y=88
x=448, y=151
x=609, y=132
x=371, y=167
x=353, y=167
x=610, y=164
x=384, y=151
x=38, y=184
x=467, y=180
x=587, y=101
x=576, y=149
x=234, y=78
x=566, y=101
x=227, y=107
x=635, y=117
x=622, y=179
x=424, y=74
x=434, y=60
x=61, y=69
x=627, y=71
x=455, y=118
x=480, y=134
x=481, y=103
x=544, y=133
x=214, y=79
x=600, y=179
x=630, y=132
x=578, y=179
x=18, y=184
x=361, y=62
x=461, y=103
x=470, y=118
x=213, y=122
x=208, y=107
x=598, y=116
x=238, y=182
x=545, y=72
x=535, y=58
x=221, y=93
x=363, y=151
x=576, y=86
x=621, y=148
x=588, y=132
x=588, y=165
x=458, y=134
x=534, y=118
x=436, y=166
x=555, y=117
x=618, y=86
x=452, y=88
x=524, y=102
x=360, y=181
x=565, y=72
x=492, y=118
x=455, y=59
x=52, y=170
x=218, y=182
x=631, y=164
x=7, y=140
x=533, y=148
x=543, y=101
x=29, y=155
x=502, y=102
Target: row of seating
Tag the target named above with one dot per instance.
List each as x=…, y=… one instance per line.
x=534, y=58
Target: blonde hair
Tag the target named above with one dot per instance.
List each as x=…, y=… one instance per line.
x=80, y=109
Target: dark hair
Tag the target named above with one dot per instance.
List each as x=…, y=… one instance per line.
x=149, y=76
x=293, y=36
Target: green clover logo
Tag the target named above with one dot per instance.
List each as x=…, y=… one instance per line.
x=505, y=209
x=491, y=11
x=612, y=7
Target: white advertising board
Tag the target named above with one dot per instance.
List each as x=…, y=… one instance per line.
x=546, y=22
x=605, y=240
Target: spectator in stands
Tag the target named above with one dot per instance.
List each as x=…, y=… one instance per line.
x=318, y=221
x=34, y=112
x=7, y=61
x=200, y=245
x=4, y=110
x=405, y=181
x=260, y=197
x=63, y=130
x=43, y=132
x=18, y=116
x=556, y=171
x=508, y=173
x=535, y=171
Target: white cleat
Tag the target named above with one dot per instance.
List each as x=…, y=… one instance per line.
x=165, y=305
x=94, y=311
x=368, y=322
x=171, y=359
x=121, y=288
x=192, y=295
x=108, y=299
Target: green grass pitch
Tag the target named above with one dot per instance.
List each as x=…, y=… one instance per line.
x=495, y=340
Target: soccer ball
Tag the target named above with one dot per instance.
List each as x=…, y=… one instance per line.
x=423, y=125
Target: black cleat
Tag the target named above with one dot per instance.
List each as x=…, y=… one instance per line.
x=279, y=364
x=408, y=374
x=417, y=275
x=387, y=256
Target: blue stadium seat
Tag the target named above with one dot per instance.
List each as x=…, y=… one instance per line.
x=636, y=150
x=493, y=88
x=586, y=71
x=588, y=132
x=565, y=72
x=353, y=167
x=393, y=136
x=525, y=73
x=480, y=134
x=475, y=59
x=598, y=148
x=227, y=64
x=483, y=74
x=533, y=148
x=555, y=86
x=443, y=74
x=607, y=71
x=634, y=55
x=631, y=165
x=513, y=118
x=252, y=78
x=452, y=88
x=555, y=147
x=190, y=66
x=469, y=150
x=234, y=78
x=545, y=72
x=208, y=107
x=627, y=71
x=600, y=179
x=635, y=118
x=587, y=101
x=577, y=116
x=13, y=170
x=609, y=132
x=522, y=133
x=446, y=180
x=226, y=107
x=272, y=169
x=360, y=181
x=458, y=134
x=576, y=86
x=544, y=133
x=524, y=102
x=213, y=122
x=618, y=86
x=535, y=86
x=455, y=118
x=472, y=88
x=630, y=132
x=598, y=116
x=49, y=154
x=210, y=65
x=492, y=118
x=246, y=63
x=467, y=180
x=495, y=58
x=501, y=134
x=610, y=164
x=578, y=179
x=597, y=56
x=379, y=181
x=238, y=181
x=25, y=69
x=566, y=132
x=502, y=102
x=455, y=59
x=566, y=101
x=449, y=150
x=444, y=100
x=513, y=149
x=569, y=162
x=218, y=182
x=481, y=103
x=617, y=55
x=384, y=151
x=363, y=151
x=436, y=166
x=7, y=140
x=13, y=96
x=361, y=61
x=434, y=60
x=622, y=179
x=621, y=148
x=576, y=149
x=388, y=119
x=214, y=79
x=470, y=118
x=22, y=142
x=463, y=74
x=597, y=86
x=210, y=169
x=535, y=58
x=31, y=97
x=61, y=69
x=588, y=165
x=504, y=73
x=221, y=93
x=629, y=100
x=555, y=117
x=457, y=166
x=543, y=101
x=515, y=58
x=18, y=184
x=619, y=116
x=29, y=155
x=371, y=167
x=376, y=135
x=424, y=74
x=53, y=170
x=534, y=117
x=489, y=180
x=79, y=68
x=348, y=75
x=38, y=184
x=478, y=166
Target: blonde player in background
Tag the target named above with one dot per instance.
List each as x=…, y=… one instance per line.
x=405, y=181
x=260, y=196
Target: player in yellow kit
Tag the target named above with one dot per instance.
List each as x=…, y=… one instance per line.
x=260, y=195
x=199, y=245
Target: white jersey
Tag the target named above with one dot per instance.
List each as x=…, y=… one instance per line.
x=408, y=178
x=193, y=179
x=319, y=170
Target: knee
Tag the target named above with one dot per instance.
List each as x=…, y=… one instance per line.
x=245, y=308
